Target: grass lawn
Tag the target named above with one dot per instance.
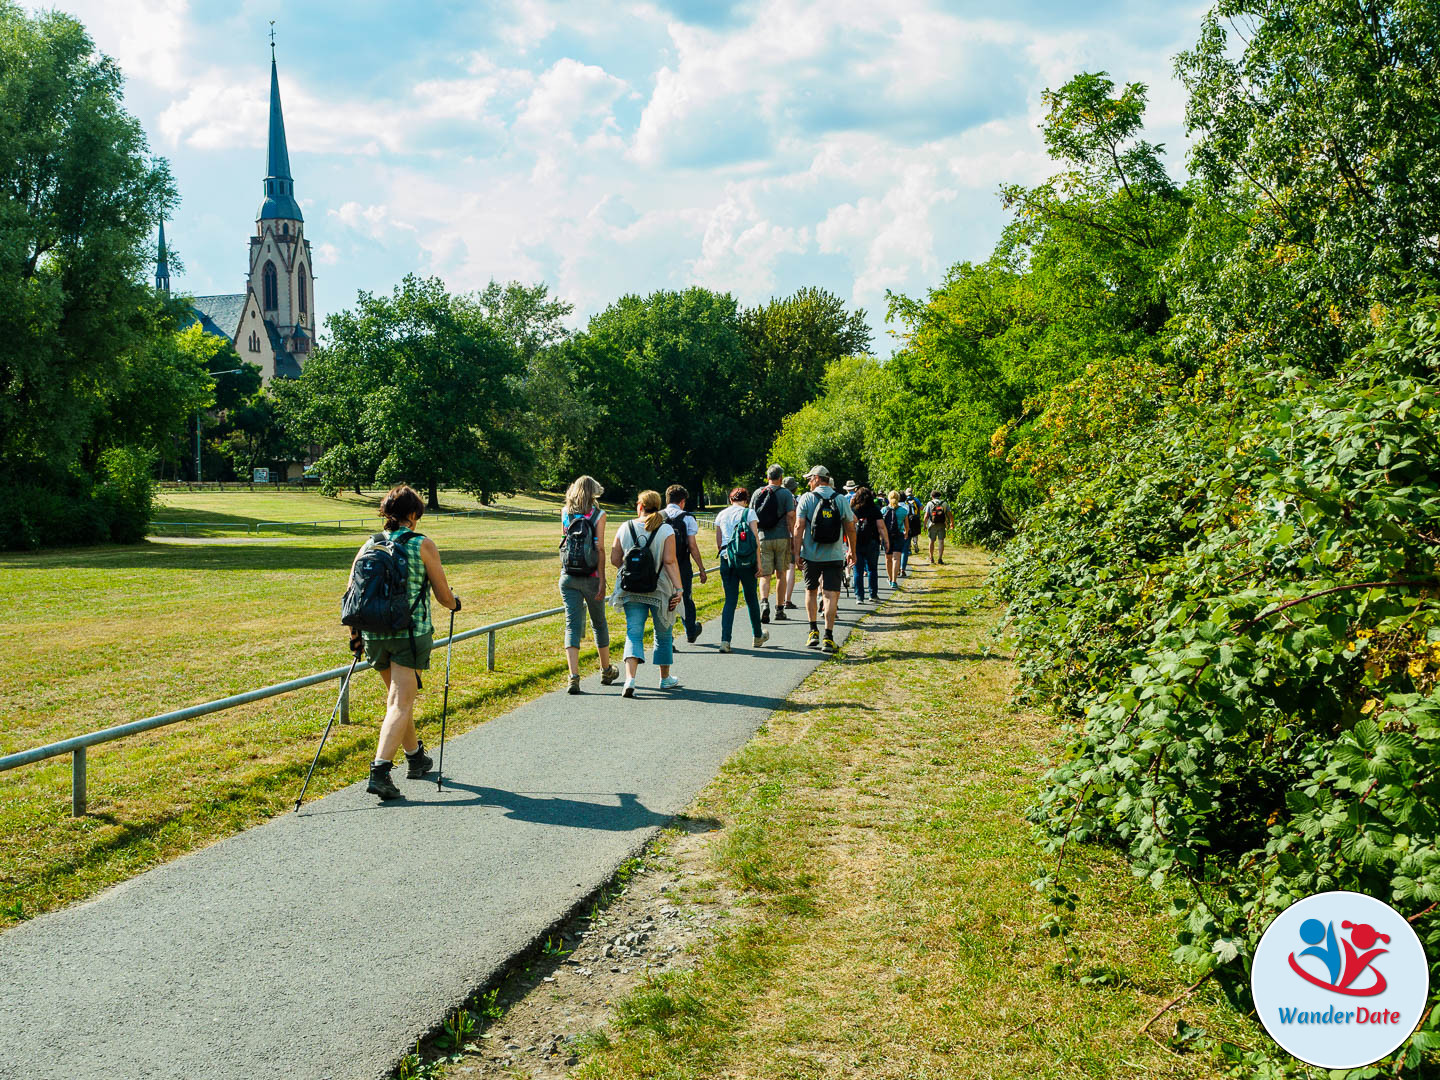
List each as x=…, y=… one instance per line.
x=100, y=636
x=878, y=827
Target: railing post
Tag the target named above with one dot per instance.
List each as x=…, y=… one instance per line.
x=77, y=783
x=490, y=652
x=344, y=701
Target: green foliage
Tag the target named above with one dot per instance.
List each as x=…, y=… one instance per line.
x=419, y=386
x=832, y=429
x=1246, y=613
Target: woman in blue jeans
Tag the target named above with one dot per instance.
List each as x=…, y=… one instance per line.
x=736, y=578
x=581, y=591
x=648, y=530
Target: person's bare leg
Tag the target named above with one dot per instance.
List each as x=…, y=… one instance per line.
x=812, y=597
x=664, y=671
x=604, y=659
x=765, y=589
x=832, y=604
x=398, y=728
x=632, y=665
x=572, y=658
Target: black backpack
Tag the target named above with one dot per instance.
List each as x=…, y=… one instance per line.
x=638, y=573
x=682, y=540
x=578, y=556
x=767, y=508
x=377, y=597
x=825, y=529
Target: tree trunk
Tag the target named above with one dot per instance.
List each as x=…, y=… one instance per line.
x=697, y=495
x=433, y=502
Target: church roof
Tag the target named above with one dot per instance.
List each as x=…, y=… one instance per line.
x=279, y=184
x=220, y=315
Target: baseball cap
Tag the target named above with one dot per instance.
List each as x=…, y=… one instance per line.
x=818, y=471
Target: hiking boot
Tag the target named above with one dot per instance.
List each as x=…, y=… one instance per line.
x=780, y=615
x=690, y=638
x=813, y=641
x=574, y=687
x=609, y=675
x=380, y=782
x=724, y=646
x=418, y=763
x=764, y=613
x=760, y=641
x=828, y=645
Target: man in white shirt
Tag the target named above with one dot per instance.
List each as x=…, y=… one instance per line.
x=687, y=554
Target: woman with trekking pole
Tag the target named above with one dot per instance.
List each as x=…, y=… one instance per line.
x=400, y=657
x=582, y=577
x=648, y=586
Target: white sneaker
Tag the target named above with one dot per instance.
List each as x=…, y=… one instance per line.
x=724, y=646
x=670, y=682
x=764, y=637
x=629, y=690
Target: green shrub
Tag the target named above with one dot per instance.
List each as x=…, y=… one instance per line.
x=1239, y=613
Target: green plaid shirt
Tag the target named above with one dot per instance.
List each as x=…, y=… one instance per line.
x=418, y=586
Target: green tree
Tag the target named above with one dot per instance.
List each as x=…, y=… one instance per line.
x=833, y=430
x=419, y=386
x=79, y=195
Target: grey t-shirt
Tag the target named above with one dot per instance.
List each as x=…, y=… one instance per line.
x=785, y=502
x=809, y=503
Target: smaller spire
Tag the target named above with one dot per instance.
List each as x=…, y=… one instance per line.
x=162, y=264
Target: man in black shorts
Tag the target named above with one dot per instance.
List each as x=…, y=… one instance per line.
x=825, y=538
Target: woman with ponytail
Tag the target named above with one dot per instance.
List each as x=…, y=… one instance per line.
x=647, y=586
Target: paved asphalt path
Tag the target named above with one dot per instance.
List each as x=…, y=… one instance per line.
x=321, y=944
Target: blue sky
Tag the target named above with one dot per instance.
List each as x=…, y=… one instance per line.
x=609, y=147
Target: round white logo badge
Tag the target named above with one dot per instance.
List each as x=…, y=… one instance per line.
x=1340, y=980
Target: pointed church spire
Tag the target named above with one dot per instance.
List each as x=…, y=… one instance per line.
x=279, y=184
x=162, y=264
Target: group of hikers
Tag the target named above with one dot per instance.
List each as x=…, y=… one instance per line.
x=770, y=534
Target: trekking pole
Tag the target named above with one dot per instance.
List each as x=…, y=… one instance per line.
x=344, y=688
x=445, y=705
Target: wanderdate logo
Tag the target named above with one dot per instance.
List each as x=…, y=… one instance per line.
x=1322, y=954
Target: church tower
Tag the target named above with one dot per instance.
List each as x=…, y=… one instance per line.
x=280, y=279
x=162, y=265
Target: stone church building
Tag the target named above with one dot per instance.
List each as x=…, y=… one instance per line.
x=272, y=323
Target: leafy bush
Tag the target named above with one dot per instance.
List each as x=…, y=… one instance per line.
x=78, y=512
x=1245, y=608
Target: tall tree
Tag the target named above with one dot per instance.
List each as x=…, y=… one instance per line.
x=79, y=195
x=419, y=386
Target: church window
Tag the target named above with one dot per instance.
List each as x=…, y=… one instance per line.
x=271, y=287
x=304, y=293
x=285, y=229
x=254, y=341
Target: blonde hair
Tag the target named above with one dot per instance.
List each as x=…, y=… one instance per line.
x=650, y=502
x=894, y=498
x=582, y=495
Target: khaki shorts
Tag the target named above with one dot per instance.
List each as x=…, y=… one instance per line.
x=774, y=556
x=382, y=652
x=937, y=532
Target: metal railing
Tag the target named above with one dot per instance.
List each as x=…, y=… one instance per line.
x=77, y=746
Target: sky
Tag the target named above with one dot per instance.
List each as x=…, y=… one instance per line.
x=610, y=147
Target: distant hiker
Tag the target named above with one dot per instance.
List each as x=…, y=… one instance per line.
x=737, y=542
x=647, y=587
x=824, y=529
x=895, y=516
x=400, y=656
x=774, y=507
x=687, y=554
x=937, y=523
x=849, y=491
x=912, y=527
x=871, y=537
x=791, y=484
x=582, y=576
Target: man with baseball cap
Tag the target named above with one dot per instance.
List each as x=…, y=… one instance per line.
x=824, y=537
